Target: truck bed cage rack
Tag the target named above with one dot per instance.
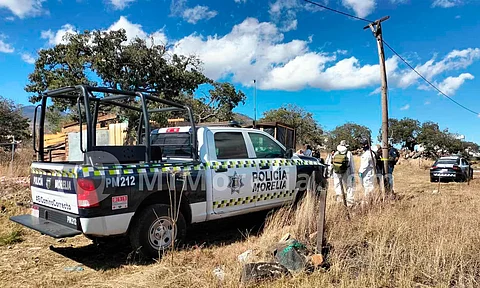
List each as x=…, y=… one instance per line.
x=84, y=94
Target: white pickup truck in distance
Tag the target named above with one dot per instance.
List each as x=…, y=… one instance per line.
x=237, y=171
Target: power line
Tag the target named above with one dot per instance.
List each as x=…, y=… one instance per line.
x=338, y=11
x=395, y=52
x=427, y=81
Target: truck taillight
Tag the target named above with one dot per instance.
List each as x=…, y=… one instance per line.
x=86, y=194
x=455, y=167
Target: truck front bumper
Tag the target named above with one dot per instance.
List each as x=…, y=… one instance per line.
x=45, y=226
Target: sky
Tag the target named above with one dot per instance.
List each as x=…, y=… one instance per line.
x=298, y=53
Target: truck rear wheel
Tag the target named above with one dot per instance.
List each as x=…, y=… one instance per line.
x=154, y=231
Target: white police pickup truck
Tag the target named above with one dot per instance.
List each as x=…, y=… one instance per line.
x=224, y=172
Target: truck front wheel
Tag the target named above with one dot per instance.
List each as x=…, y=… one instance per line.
x=154, y=230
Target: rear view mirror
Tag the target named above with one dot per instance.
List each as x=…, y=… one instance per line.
x=289, y=153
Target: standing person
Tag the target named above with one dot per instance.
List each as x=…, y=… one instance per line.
x=308, y=150
x=316, y=153
x=329, y=163
x=393, y=157
x=377, y=153
x=366, y=170
x=343, y=173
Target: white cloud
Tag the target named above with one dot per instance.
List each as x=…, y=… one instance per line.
x=446, y=3
x=362, y=8
x=455, y=60
x=23, y=8
x=458, y=17
x=376, y=91
x=451, y=84
x=257, y=50
x=28, y=58
x=399, y=1
x=10, y=18
x=132, y=31
x=427, y=103
x=284, y=12
x=136, y=31
x=5, y=47
x=406, y=107
x=158, y=38
x=55, y=38
x=292, y=25
x=191, y=14
x=250, y=48
x=240, y=1
x=197, y=13
x=177, y=7
x=120, y=4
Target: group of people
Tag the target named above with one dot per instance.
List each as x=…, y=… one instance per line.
x=308, y=151
x=341, y=168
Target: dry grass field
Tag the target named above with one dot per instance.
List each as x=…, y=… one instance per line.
x=426, y=238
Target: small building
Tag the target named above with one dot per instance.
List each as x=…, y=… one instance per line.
x=284, y=133
x=65, y=145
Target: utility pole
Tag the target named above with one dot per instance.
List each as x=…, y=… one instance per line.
x=376, y=28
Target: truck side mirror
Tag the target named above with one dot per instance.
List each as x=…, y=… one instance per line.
x=289, y=153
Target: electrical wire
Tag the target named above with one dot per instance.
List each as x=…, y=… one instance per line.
x=427, y=81
x=338, y=11
x=398, y=55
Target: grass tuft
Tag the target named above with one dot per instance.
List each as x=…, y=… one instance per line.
x=12, y=237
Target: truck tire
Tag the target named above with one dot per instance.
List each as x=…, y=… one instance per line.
x=153, y=231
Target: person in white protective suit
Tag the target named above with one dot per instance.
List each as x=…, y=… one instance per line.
x=343, y=173
x=366, y=170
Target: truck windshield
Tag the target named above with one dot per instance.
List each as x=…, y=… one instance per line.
x=173, y=145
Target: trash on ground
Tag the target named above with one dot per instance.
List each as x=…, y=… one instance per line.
x=255, y=272
x=243, y=258
x=219, y=273
x=285, y=237
x=316, y=260
x=291, y=254
x=77, y=268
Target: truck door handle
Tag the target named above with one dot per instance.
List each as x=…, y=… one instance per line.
x=221, y=170
x=264, y=167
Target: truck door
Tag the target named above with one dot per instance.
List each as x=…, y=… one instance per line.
x=232, y=173
x=276, y=176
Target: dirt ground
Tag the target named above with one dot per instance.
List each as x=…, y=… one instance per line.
x=428, y=238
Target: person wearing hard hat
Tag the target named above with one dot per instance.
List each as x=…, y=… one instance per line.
x=343, y=173
x=366, y=170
